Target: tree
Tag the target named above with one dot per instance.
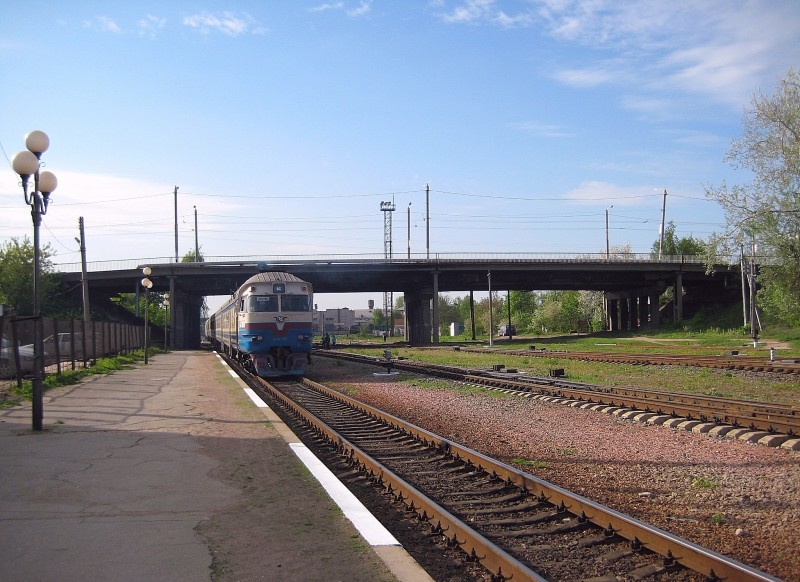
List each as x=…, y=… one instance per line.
x=620, y=252
x=378, y=318
x=16, y=276
x=448, y=313
x=156, y=310
x=565, y=311
x=191, y=257
x=523, y=309
x=763, y=216
x=673, y=245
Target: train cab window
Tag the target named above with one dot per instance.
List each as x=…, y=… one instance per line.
x=294, y=303
x=262, y=303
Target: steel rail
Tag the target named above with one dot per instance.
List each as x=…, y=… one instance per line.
x=725, y=362
x=757, y=416
x=672, y=548
x=502, y=565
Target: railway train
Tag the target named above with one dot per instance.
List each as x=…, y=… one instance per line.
x=266, y=325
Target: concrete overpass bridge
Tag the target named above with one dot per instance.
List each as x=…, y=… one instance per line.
x=631, y=283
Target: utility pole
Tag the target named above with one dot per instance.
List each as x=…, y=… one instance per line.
x=196, y=245
x=753, y=309
x=427, y=221
x=87, y=316
x=663, y=216
x=409, y=230
x=176, y=224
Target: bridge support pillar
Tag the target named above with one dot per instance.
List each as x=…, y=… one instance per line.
x=655, y=312
x=644, y=311
x=678, y=297
x=625, y=314
x=435, y=307
x=418, y=317
x=612, y=314
x=186, y=311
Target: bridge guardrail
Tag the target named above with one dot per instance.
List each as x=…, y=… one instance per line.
x=136, y=263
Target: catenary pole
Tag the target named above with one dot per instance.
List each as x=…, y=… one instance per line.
x=176, y=224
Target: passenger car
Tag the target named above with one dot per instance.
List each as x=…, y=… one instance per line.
x=62, y=345
x=8, y=366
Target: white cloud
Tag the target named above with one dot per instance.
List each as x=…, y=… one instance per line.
x=723, y=49
x=719, y=48
x=103, y=23
x=591, y=77
x=124, y=217
x=326, y=7
x=363, y=9
x=150, y=25
x=227, y=23
x=487, y=12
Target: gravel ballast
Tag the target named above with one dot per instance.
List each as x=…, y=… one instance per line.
x=733, y=497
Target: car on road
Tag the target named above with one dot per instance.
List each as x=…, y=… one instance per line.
x=8, y=364
x=60, y=346
x=507, y=329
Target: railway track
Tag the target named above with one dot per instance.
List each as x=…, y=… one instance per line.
x=518, y=527
x=777, y=422
x=731, y=361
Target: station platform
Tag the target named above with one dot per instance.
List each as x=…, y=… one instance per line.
x=173, y=471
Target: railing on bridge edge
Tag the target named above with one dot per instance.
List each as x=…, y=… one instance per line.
x=123, y=264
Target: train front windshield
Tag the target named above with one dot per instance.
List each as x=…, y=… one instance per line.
x=294, y=303
x=262, y=303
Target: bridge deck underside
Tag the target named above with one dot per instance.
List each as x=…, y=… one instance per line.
x=214, y=279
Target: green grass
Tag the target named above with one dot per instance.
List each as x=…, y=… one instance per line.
x=704, y=483
x=68, y=377
x=718, y=519
x=677, y=379
x=529, y=463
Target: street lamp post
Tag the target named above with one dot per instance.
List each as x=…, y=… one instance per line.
x=166, y=319
x=27, y=164
x=147, y=284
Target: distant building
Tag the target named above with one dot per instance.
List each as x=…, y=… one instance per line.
x=346, y=320
x=334, y=320
x=456, y=328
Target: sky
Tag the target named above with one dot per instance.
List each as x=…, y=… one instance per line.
x=286, y=124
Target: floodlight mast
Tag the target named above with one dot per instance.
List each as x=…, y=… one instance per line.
x=387, y=208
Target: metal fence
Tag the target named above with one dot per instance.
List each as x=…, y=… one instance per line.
x=68, y=344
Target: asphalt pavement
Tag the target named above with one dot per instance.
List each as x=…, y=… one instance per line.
x=116, y=484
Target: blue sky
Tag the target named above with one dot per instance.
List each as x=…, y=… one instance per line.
x=287, y=123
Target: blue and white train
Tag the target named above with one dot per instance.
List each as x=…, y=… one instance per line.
x=266, y=325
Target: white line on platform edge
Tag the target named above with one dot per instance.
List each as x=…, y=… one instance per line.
x=366, y=523
x=255, y=398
